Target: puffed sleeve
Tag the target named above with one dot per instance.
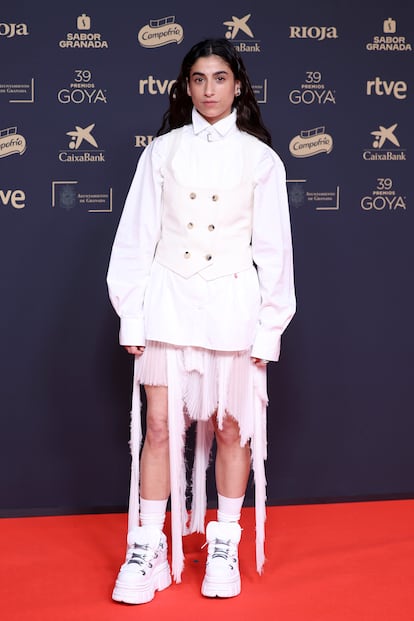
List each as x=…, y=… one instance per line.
x=134, y=246
x=273, y=256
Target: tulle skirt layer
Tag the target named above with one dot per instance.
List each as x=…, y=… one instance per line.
x=201, y=383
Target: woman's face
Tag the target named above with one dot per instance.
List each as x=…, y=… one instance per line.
x=212, y=87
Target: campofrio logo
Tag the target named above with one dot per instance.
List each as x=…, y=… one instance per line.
x=311, y=142
x=159, y=32
x=11, y=142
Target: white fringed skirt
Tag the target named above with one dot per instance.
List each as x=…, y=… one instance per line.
x=200, y=383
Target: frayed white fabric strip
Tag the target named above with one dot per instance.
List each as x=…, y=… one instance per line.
x=135, y=447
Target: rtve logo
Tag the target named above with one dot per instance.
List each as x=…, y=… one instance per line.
x=153, y=86
x=10, y=30
x=382, y=87
x=15, y=198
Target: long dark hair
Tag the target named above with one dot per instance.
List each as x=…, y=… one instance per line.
x=249, y=118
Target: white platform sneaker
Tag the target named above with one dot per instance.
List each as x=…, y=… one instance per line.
x=145, y=569
x=222, y=577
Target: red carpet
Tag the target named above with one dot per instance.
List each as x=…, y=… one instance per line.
x=336, y=562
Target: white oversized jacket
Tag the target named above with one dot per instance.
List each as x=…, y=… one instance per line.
x=236, y=307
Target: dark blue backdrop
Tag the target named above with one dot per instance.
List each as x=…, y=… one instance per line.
x=341, y=398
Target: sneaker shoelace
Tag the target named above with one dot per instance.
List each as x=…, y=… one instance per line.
x=224, y=549
x=142, y=557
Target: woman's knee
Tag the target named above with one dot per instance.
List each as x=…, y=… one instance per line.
x=229, y=433
x=157, y=416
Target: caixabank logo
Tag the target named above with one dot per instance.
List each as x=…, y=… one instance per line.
x=84, y=37
x=240, y=33
x=390, y=40
x=385, y=145
x=11, y=142
x=79, y=151
x=159, y=32
x=384, y=198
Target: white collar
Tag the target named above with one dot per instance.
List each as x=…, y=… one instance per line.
x=213, y=131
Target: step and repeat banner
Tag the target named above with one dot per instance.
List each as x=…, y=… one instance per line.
x=83, y=87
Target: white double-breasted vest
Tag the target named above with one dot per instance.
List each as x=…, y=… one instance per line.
x=206, y=230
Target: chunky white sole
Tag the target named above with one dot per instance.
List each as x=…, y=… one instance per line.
x=212, y=587
x=142, y=593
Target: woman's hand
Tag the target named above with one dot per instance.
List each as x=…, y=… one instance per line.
x=259, y=362
x=135, y=349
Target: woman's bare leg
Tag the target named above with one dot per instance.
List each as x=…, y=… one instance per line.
x=155, y=457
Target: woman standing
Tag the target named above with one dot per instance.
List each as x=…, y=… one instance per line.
x=201, y=275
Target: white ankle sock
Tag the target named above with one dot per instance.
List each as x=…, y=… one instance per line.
x=229, y=509
x=152, y=512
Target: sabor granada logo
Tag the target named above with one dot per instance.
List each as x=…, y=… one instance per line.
x=159, y=32
x=11, y=142
x=84, y=39
x=311, y=142
x=389, y=41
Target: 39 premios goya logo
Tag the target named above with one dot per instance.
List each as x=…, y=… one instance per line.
x=79, y=150
x=82, y=90
x=84, y=37
x=385, y=145
x=384, y=198
x=312, y=90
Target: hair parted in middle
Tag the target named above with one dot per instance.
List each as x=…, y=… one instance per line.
x=249, y=118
